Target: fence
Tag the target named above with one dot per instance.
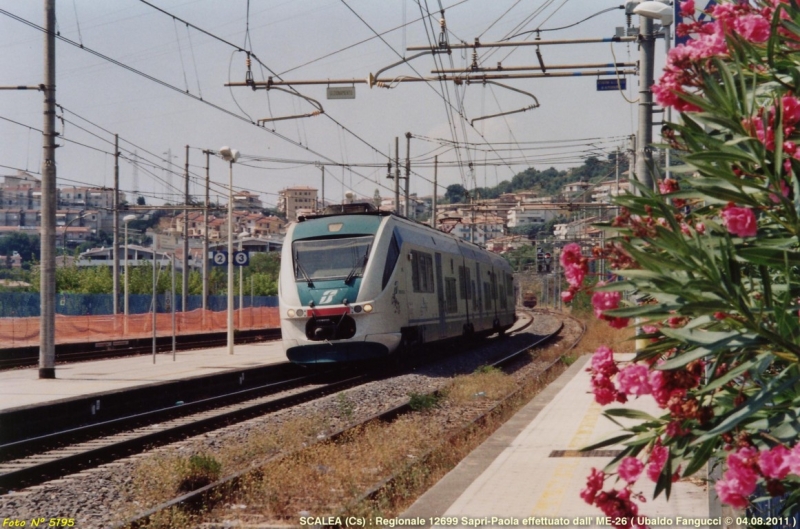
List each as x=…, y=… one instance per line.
x=88, y=318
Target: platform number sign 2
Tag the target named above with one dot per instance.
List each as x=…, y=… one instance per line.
x=220, y=258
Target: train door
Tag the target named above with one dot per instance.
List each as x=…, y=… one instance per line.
x=440, y=296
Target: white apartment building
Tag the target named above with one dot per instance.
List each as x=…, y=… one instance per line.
x=531, y=215
x=292, y=199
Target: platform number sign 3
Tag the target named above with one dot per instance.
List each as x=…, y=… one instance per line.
x=327, y=296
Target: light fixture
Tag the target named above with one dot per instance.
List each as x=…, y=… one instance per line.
x=658, y=10
x=367, y=307
x=290, y=313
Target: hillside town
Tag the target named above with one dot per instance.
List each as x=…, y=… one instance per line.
x=85, y=219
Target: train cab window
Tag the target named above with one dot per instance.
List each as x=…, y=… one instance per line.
x=487, y=296
x=391, y=260
x=450, y=294
x=331, y=258
x=421, y=271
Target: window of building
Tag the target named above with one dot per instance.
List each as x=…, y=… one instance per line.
x=421, y=271
x=450, y=295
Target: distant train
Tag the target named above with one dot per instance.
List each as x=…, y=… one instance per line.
x=357, y=283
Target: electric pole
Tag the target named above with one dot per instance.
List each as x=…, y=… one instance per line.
x=322, y=203
x=205, y=235
x=408, y=171
x=435, y=177
x=185, y=278
x=644, y=162
x=397, y=175
x=115, y=256
x=47, y=331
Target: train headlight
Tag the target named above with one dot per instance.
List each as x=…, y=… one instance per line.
x=300, y=312
x=290, y=313
x=368, y=308
x=357, y=309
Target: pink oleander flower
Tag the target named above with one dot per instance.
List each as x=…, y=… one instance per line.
x=700, y=228
x=617, y=505
x=774, y=463
x=603, y=362
x=603, y=301
x=594, y=484
x=604, y=390
x=630, y=469
x=567, y=295
x=687, y=8
x=753, y=27
x=574, y=264
x=793, y=460
x=740, y=221
x=740, y=480
x=658, y=458
x=634, y=379
x=649, y=329
x=729, y=492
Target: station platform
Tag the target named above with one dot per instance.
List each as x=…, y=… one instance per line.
x=530, y=471
x=23, y=387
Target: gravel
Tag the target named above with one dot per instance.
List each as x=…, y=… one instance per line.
x=102, y=496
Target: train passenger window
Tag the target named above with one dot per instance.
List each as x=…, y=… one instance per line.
x=475, y=305
x=463, y=282
x=494, y=285
x=450, y=294
x=487, y=296
x=503, y=300
x=421, y=271
x=391, y=261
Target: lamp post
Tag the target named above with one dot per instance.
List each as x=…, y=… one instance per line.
x=647, y=11
x=230, y=156
x=64, y=239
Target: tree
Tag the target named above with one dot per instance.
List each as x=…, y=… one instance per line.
x=28, y=246
x=140, y=200
x=712, y=259
x=455, y=194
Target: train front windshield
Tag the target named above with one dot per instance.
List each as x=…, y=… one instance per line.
x=331, y=259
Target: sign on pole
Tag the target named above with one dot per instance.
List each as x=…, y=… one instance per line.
x=241, y=258
x=219, y=258
x=610, y=84
x=341, y=92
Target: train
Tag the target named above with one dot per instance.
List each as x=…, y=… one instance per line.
x=358, y=283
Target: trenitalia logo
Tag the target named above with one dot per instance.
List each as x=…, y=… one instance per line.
x=327, y=296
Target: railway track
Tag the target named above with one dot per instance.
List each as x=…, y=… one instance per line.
x=17, y=357
x=214, y=490
x=65, y=452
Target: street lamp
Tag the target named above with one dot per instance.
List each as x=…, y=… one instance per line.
x=125, y=220
x=64, y=239
x=230, y=156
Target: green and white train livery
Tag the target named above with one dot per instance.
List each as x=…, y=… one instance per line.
x=363, y=284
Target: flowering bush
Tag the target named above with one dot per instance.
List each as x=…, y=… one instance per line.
x=713, y=259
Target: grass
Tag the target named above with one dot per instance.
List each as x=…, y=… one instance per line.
x=599, y=333
x=330, y=478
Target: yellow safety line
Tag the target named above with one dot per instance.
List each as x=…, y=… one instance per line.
x=556, y=487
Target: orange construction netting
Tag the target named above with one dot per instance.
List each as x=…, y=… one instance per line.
x=21, y=332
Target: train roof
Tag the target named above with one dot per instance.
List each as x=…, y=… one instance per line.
x=413, y=231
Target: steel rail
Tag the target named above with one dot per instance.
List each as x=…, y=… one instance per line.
x=205, y=493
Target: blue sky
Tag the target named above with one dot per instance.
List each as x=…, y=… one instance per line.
x=574, y=119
